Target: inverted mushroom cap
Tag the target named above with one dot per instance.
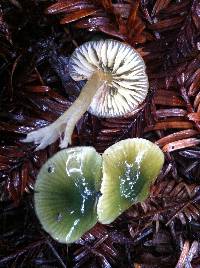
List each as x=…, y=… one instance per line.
x=66, y=193
x=129, y=167
x=127, y=85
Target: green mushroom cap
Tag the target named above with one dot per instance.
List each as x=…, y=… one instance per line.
x=66, y=193
x=67, y=189
x=129, y=167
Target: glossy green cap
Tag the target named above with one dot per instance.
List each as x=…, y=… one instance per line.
x=66, y=193
x=129, y=168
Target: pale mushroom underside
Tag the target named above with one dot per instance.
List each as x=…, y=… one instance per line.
x=129, y=84
x=117, y=84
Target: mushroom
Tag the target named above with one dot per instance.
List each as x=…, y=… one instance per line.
x=67, y=191
x=129, y=168
x=116, y=85
x=78, y=187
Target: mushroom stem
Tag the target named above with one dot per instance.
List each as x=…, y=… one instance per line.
x=80, y=106
x=67, y=121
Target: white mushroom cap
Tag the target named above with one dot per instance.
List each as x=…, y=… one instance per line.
x=129, y=84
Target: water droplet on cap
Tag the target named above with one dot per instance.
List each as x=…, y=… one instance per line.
x=51, y=169
x=59, y=217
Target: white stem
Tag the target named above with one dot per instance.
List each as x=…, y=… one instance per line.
x=67, y=121
x=80, y=106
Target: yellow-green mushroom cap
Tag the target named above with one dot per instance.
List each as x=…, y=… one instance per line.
x=66, y=193
x=129, y=167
